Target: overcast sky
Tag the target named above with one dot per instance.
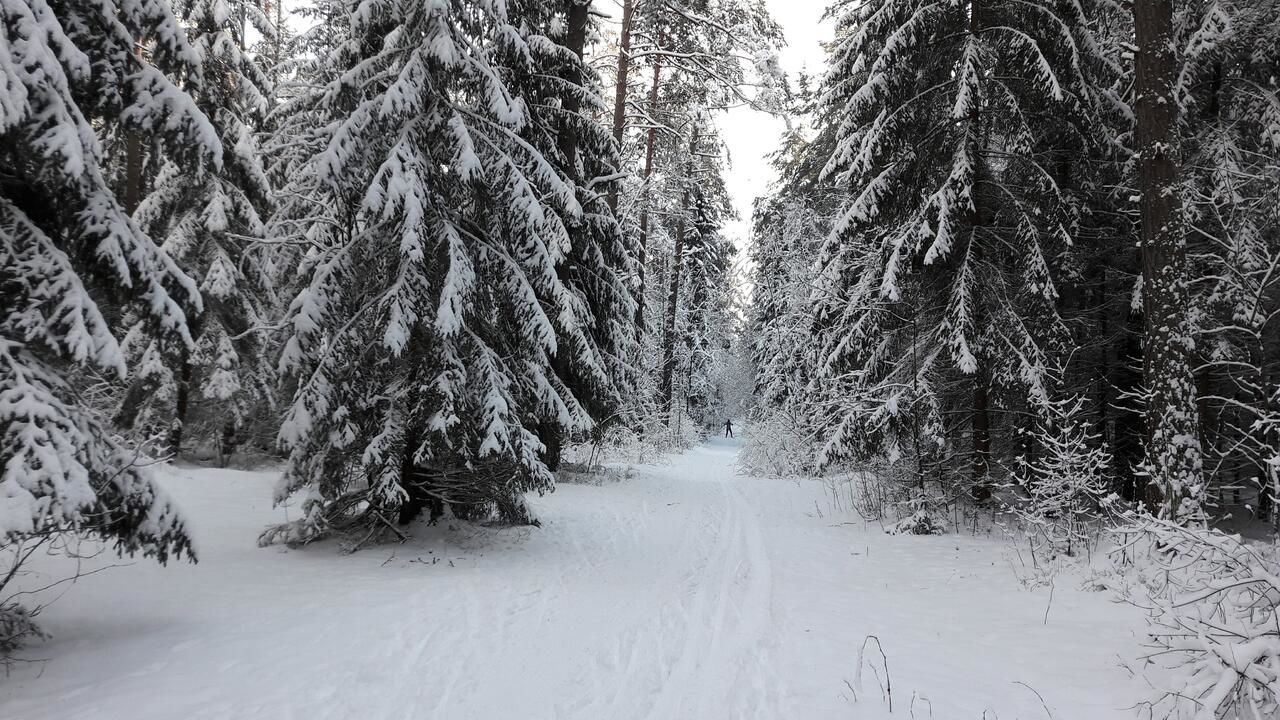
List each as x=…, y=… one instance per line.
x=751, y=135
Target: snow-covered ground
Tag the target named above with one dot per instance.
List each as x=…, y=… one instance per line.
x=685, y=591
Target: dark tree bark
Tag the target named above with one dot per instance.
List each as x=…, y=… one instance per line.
x=227, y=443
x=620, y=90
x=182, y=404
x=417, y=486
x=643, y=245
x=1173, y=454
x=133, y=152
x=132, y=171
x=578, y=13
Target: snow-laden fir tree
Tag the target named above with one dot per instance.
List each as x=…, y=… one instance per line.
x=67, y=247
x=596, y=354
x=209, y=219
x=936, y=296
x=785, y=235
x=298, y=129
x=782, y=238
x=437, y=301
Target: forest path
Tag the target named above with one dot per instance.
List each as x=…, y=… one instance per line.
x=685, y=591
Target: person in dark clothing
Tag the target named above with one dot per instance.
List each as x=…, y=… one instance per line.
x=728, y=428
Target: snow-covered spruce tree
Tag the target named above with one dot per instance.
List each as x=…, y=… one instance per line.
x=1095, y=277
x=698, y=325
x=435, y=306
x=209, y=220
x=66, y=247
x=596, y=354
x=664, y=204
x=301, y=126
x=783, y=237
x=936, y=304
x=277, y=43
x=785, y=233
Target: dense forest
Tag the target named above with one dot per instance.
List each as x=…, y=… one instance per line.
x=404, y=244
x=1022, y=257
x=1043, y=240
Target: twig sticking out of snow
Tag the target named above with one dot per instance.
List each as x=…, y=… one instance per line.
x=886, y=690
x=1048, y=713
x=917, y=696
x=1048, y=605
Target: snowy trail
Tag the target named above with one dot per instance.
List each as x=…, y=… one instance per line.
x=687, y=591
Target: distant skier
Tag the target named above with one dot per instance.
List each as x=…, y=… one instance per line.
x=728, y=428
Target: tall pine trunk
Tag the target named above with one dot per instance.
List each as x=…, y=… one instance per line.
x=620, y=90
x=650, y=141
x=578, y=13
x=1173, y=456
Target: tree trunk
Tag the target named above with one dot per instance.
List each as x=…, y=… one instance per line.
x=182, y=405
x=227, y=443
x=980, y=419
x=133, y=151
x=620, y=91
x=418, y=495
x=642, y=249
x=553, y=440
x=578, y=13
x=981, y=489
x=1173, y=456
x=673, y=290
x=134, y=396
x=132, y=171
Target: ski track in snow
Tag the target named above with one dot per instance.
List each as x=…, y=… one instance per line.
x=687, y=591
